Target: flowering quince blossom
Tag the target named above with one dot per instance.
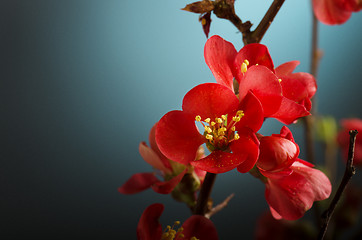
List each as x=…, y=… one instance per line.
x=196, y=227
x=292, y=185
x=333, y=12
x=171, y=171
x=229, y=128
x=343, y=139
x=284, y=95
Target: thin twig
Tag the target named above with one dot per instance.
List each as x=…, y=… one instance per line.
x=204, y=195
x=219, y=207
x=256, y=35
x=349, y=172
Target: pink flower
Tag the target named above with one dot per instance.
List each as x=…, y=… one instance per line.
x=289, y=197
x=196, y=226
x=284, y=95
x=333, y=12
x=343, y=139
x=229, y=127
x=172, y=173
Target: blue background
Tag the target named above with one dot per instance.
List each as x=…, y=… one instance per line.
x=82, y=83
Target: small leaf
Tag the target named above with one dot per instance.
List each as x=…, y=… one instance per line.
x=199, y=7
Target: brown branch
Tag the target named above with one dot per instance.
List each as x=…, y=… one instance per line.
x=256, y=35
x=219, y=207
x=204, y=195
x=349, y=172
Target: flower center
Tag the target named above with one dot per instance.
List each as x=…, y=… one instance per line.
x=244, y=66
x=170, y=233
x=221, y=132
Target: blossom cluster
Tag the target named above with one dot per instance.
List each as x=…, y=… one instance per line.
x=223, y=119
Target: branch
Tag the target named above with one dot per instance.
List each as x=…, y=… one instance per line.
x=256, y=35
x=204, y=195
x=219, y=207
x=349, y=172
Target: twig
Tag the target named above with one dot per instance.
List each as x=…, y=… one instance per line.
x=256, y=35
x=204, y=195
x=219, y=207
x=349, y=172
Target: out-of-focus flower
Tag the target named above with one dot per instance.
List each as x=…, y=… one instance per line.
x=333, y=12
x=284, y=95
x=229, y=128
x=343, y=139
x=172, y=172
x=196, y=227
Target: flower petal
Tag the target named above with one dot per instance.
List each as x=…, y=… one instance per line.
x=286, y=68
x=148, y=227
x=152, y=158
x=178, y=137
x=219, y=56
x=328, y=12
x=218, y=162
x=154, y=147
x=266, y=87
x=289, y=111
x=247, y=148
x=255, y=53
x=168, y=186
x=253, y=113
x=138, y=182
x=210, y=100
x=200, y=227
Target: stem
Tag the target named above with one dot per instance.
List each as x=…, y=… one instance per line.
x=219, y=207
x=349, y=172
x=256, y=35
x=204, y=195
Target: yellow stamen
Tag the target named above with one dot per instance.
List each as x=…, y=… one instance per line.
x=236, y=136
x=198, y=118
x=236, y=119
x=208, y=129
x=209, y=137
x=280, y=80
x=246, y=62
x=244, y=67
x=240, y=113
x=218, y=120
x=213, y=124
x=223, y=117
x=207, y=120
x=233, y=128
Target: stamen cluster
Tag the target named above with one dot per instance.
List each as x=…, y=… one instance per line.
x=220, y=132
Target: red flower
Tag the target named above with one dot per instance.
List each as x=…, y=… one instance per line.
x=171, y=172
x=196, y=226
x=277, y=153
x=289, y=197
x=284, y=95
x=333, y=12
x=229, y=128
x=343, y=139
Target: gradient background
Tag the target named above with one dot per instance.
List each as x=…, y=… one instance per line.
x=82, y=82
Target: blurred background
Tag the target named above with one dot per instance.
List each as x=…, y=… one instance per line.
x=82, y=82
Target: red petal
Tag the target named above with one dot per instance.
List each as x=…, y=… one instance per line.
x=178, y=137
x=167, y=186
x=210, y=100
x=328, y=12
x=148, y=227
x=152, y=158
x=218, y=162
x=154, y=147
x=289, y=111
x=255, y=53
x=219, y=56
x=137, y=183
x=275, y=175
x=199, y=227
x=276, y=153
x=266, y=87
x=286, y=68
x=247, y=148
x=253, y=113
